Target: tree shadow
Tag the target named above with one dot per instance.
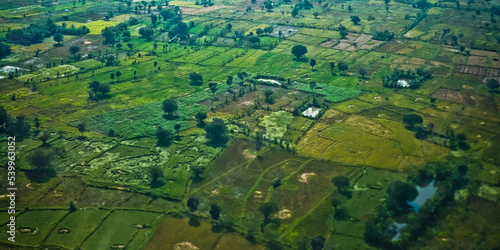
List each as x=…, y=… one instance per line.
x=218, y=143
x=170, y=117
x=58, y=45
x=302, y=59
x=346, y=193
x=164, y=143
x=41, y=175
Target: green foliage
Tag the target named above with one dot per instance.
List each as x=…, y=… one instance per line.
x=385, y=35
x=414, y=79
x=268, y=208
x=399, y=193
x=355, y=20
x=412, y=119
x=340, y=182
x=331, y=93
x=216, y=130
x=164, y=136
x=299, y=51
x=492, y=84
x=170, y=106
x=193, y=203
x=215, y=211
x=4, y=50
x=196, y=78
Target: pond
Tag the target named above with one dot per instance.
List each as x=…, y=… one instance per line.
x=424, y=193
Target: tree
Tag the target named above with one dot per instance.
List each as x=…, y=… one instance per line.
x=157, y=177
x=363, y=72
x=268, y=94
x=200, y=116
x=259, y=31
x=4, y=50
x=332, y=66
x=229, y=80
x=118, y=74
x=74, y=49
x=147, y=33
x=343, y=34
x=336, y=202
x=399, y=193
x=267, y=209
x=315, y=14
x=492, y=84
x=213, y=87
x=342, y=66
x=216, y=130
x=229, y=26
x=340, y=182
x=299, y=50
x=177, y=128
x=254, y=39
x=36, y=121
x=318, y=243
x=295, y=12
x=169, y=106
x=312, y=62
x=312, y=85
x=41, y=159
x=412, y=119
x=355, y=20
x=196, y=78
x=215, y=211
x=72, y=206
x=154, y=20
x=192, y=203
x=163, y=135
x=259, y=141
x=44, y=137
x=103, y=88
x=112, y=76
x=81, y=127
x=268, y=29
x=58, y=37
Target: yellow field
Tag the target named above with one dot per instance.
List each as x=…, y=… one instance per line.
x=95, y=26
x=380, y=143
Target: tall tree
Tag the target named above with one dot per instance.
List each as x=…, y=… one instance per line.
x=299, y=50
x=312, y=62
x=169, y=106
x=215, y=211
x=340, y=182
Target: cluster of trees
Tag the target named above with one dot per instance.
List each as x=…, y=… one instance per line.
x=413, y=78
x=11, y=126
x=448, y=178
x=385, y=35
x=119, y=32
x=4, y=50
x=97, y=90
x=306, y=5
x=35, y=33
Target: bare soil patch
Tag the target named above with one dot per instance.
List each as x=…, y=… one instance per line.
x=448, y=94
x=476, y=70
x=477, y=61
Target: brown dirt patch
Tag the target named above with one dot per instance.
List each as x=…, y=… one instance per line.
x=329, y=44
x=342, y=45
x=476, y=70
x=476, y=52
x=448, y=94
x=477, y=61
